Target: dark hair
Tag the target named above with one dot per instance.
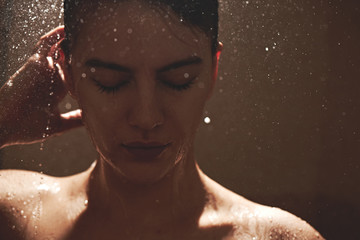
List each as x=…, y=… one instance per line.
x=202, y=14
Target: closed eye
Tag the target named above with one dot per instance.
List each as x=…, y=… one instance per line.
x=179, y=87
x=110, y=89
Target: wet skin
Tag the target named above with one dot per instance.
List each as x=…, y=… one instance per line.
x=141, y=83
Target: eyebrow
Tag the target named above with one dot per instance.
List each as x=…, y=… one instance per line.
x=188, y=61
x=107, y=65
x=113, y=66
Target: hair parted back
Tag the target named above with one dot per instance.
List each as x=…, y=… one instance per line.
x=202, y=14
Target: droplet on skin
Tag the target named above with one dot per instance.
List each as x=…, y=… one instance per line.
x=22, y=212
x=129, y=30
x=83, y=75
x=115, y=39
x=10, y=83
x=68, y=106
x=186, y=75
x=201, y=85
x=267, y=49
x=86, y=202
x=93, y=70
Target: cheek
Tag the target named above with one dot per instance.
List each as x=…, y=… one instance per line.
x=189, y=111
x=98, y=113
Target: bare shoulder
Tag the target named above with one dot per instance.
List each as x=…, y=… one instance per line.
x=263, y=222
x=20, y=184
x=19, y=190
x=284, y=225
x=251, y=220
x=29, y=201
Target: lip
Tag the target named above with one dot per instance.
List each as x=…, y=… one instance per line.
x=145, y=151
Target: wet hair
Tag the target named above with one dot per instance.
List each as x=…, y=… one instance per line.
x=201, y=14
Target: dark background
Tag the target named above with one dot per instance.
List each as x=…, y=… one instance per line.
x=285, y=118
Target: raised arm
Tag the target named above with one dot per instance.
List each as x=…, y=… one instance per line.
x=29, y=99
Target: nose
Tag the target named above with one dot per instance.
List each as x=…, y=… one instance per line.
x=145, y=112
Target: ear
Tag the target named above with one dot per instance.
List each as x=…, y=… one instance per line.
x=63, y=65
x=215, y=67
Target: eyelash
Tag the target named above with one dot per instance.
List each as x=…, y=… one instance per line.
x=179, y=87
x=112, y=90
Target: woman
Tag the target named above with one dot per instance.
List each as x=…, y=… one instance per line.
x=141, y=72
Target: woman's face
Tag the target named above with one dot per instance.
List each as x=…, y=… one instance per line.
x=141, y=77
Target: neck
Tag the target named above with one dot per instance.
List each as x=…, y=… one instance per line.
x=179, y=195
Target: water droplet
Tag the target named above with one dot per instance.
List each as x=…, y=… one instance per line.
x=22, y=212
x=207, y=120
x=51, y=93
x=13, y=227
x=10, y=83
x=115, y=39
x=115, y=30
x=129, y=30
x=86, y=202
x=83, y=75
x=68, y=106
x=186, y=75
x=92, y=70
x=267, y=49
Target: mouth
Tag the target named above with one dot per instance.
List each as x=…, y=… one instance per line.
x=145, y=151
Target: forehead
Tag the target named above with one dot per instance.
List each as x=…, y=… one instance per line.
x=138, y=32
